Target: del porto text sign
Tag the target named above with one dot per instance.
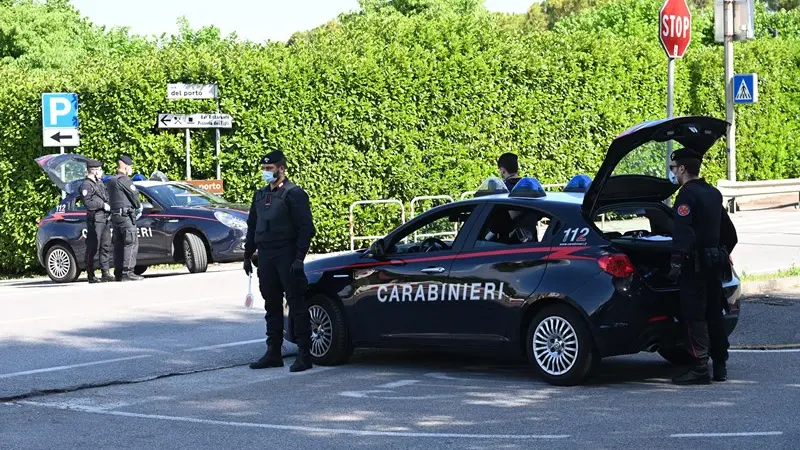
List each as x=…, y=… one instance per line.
x=191, y=91
x=213, y=186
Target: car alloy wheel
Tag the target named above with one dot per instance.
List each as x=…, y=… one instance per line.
x=59, y=263
x=321, y=331
x=555, y=345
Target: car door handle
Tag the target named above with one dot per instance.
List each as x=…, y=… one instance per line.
x=433, y=270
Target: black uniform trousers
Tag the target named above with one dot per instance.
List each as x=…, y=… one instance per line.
x=126, y=244
x=98, y=231
x=275, y=279
x=702, y=300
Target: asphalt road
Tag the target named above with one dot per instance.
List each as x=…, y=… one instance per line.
x=162, y=363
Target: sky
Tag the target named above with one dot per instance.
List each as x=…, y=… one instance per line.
x=255, y=20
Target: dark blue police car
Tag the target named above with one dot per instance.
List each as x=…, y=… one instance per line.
x=565, y=278
x=179, y=224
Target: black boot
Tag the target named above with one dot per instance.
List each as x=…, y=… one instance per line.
x=130, y=276
x=90, y=276
x=302, y=362
x=272, y=358
x=107, y=276
x=695, y=375
x=720, y=371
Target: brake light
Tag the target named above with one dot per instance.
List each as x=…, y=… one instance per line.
x=618, y=265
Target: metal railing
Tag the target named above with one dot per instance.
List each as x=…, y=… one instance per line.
x=731, y=190
x=353, y=236
x=441, y=233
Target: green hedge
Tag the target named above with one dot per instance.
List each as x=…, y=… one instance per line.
x=383, y=104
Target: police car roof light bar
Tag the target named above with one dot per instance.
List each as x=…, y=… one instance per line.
x=578, y=183
x=528, y=187
x=491, y=186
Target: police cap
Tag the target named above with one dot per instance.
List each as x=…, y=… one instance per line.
x=93, y=164
x=275, y=157
x=125, y=159
x=686, y=153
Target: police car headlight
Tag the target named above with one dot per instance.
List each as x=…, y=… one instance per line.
x=229, y=220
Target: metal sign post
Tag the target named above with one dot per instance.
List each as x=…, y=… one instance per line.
x=729, y=113
x=188, y=157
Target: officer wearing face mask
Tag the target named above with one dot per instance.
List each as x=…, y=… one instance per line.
x=94, y=196
x=125, y=209
x=280, y=227
x=702, y=239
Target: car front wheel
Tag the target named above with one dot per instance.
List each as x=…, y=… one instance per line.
x=61, y=265
x=194, y=253
x=330, y=342
x=559, y=346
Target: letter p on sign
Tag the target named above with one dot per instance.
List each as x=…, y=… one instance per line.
x=60, y=110
x=675, y=27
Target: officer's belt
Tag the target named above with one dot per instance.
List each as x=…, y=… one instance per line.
x=122, y=211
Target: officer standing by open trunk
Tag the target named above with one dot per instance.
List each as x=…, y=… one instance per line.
x=280, y=227
x=98, y=227
x=702, y=240
x=125, y=209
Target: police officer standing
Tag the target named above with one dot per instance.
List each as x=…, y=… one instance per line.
x=95, y=198
x=702, y=239
x=508, y=166
x=280, y=227
x=125, y=208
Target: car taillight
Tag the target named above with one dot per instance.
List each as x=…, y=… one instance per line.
x=618, y=265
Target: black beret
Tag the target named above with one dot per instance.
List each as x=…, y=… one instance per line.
x=125, y=159
x=686, y=153
x=273, y=158
x=92, y=163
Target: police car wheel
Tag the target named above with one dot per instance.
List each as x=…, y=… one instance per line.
x=61, y=265
x=194, y=253
x=330, y=342
x=559, y=346
x=138, y=270
x=678, y=356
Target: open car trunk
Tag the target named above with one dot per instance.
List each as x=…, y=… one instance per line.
x=651, y=259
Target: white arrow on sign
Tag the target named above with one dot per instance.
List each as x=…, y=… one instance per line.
x=195, y=121
x=61, y=137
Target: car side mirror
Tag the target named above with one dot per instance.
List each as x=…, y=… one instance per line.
x=377, y=249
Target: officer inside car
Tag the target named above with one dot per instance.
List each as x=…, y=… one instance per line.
x=702, y=239
x=98, y=229
x=280, y=227
x=125, y=209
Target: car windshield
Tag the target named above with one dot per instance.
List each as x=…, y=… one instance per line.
x=184, y=195
x=648, y=159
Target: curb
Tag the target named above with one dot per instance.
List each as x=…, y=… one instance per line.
x=766, y=286
x=765, y=347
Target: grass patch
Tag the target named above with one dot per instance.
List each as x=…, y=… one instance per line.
x=786, y=273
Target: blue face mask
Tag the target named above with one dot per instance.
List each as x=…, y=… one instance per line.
x=269, y=177
x=673, y=178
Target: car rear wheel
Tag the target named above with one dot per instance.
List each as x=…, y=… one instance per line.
x=61, y=265
x=678, y=356
x=330, y=341
x=559, y=346
x=194, y=253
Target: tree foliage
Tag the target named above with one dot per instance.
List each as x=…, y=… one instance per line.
x=400, y=99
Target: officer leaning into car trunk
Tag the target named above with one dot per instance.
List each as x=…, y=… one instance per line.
x=125, y=209
x=98, y=228
x=280, y=227
x=702, y=239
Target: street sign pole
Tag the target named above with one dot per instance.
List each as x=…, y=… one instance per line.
x=216, y=141
x=670, y=104
x=729, y=113
x=188, y=161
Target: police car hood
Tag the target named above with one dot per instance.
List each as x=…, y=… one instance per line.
x=236, y=209
x=635, y=166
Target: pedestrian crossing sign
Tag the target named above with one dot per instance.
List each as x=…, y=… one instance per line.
x=745, y=88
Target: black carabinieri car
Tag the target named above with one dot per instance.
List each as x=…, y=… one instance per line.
x=565, y=278
x=180, y=223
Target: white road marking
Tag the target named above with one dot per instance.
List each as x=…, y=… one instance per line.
x=298, y=427
x=754, y=433
x=776, y=350
x=54, y=369
x=397, y=384
x=372, y=394
x=230, y=344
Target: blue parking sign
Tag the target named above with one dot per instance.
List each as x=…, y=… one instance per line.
x=745, y=88
x=60, y=119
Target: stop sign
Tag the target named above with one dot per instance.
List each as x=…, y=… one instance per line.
x=675, y=29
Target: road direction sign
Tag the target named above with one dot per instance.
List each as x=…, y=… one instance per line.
x=191, y=91
x=60, y=119
x=195, y=121
x=745, y=88
x=675, y=27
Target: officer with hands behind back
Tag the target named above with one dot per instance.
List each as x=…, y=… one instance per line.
x=125, y=209
x=98, y=228
x=702, y=239
x=280, y=227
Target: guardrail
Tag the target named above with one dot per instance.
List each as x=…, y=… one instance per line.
x=353, y=237
x=731, y=190
x=432, y=197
